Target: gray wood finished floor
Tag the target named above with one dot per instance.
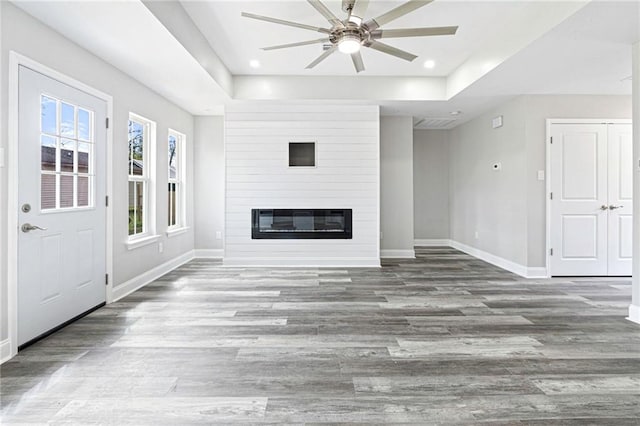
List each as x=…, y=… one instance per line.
x=443, y=339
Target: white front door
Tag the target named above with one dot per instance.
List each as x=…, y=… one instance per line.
x=591, y=185
x=61, y=201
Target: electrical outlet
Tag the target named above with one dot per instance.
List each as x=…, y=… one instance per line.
x=218, y=235
x=160, y=247
x=540, y=174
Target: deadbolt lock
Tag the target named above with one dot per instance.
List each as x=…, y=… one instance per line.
x=26, y=208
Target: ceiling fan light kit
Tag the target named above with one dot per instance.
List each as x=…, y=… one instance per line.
x=349, y=35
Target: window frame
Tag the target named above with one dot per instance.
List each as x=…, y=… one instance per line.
x=179, y=181
x=147, y=178
x=75, y=174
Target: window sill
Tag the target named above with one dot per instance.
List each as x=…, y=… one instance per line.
x=174, y=232
x=141, y=242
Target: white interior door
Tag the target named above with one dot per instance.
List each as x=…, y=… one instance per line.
x=579, y=206
x=620, y=198
x=591, y=209
x=61, y=196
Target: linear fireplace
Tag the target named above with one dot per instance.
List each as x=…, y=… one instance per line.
x=301, y=224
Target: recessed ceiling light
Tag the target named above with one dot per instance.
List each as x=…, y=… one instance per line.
x=429, y=64
x=458, y=112
x=254, y=63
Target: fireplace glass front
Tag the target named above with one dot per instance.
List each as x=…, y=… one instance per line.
x=301, y=224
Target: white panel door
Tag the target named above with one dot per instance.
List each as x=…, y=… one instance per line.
x=579, y=206
x=61, y=193
x=620, y=198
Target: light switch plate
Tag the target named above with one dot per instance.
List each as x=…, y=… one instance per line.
x=496, y=122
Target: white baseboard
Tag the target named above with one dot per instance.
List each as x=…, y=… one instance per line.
x=5, y=350
x=537, y=272
x=432, y=242
x=145, y=278
x=498, y=261
x=397, y=254
x=208, y=253
x=311, y=262
x=634, y=313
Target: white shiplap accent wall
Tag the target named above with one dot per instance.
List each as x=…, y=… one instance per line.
x=347, y=175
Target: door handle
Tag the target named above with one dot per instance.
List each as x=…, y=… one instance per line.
x=612, y=207
x=603, y=207
x=29, y=227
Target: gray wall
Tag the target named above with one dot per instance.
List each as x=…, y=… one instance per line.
x=209, y=182
x=396, y=188
x=508, y=208
x=489, y=208
x=27, y=36
x=431, y=184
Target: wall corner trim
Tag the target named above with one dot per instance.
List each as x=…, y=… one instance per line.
x=441, y=242
x=145, y=278
x=634, y=314
x=397, y=254
x=537, y=272
x=5, y=351
x=208, y=253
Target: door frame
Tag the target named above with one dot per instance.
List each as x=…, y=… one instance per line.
x=550, y=122
x=15, y=61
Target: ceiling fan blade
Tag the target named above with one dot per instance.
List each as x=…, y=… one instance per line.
x=301, y=43
x=324, y=11
x=385, y=48
x=414, y=32
x=283, y=22
x=358, y=11
x=322, y=57
x=357, y=61
x=396, y=13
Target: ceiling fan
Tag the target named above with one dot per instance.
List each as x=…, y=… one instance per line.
x=349, y=35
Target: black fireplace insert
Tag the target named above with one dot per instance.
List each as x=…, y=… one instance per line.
x=301, y=224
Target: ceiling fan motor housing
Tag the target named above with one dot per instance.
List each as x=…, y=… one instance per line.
x=349, y=31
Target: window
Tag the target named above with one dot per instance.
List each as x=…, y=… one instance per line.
x=66, y=155
x=141, y=134
x=302, y=154
x=175, y=172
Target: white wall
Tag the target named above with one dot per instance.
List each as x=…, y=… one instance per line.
x=431, y=184
x=346, y=176
x=209, y=184
x=31, y=38
x=634, y=308
x=396, y=189
x=4, y=314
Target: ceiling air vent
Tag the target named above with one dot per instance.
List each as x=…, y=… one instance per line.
x=435, y=123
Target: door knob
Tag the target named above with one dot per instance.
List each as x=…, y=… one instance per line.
x=29, y=227
x=603, y=207
x=612, y=207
